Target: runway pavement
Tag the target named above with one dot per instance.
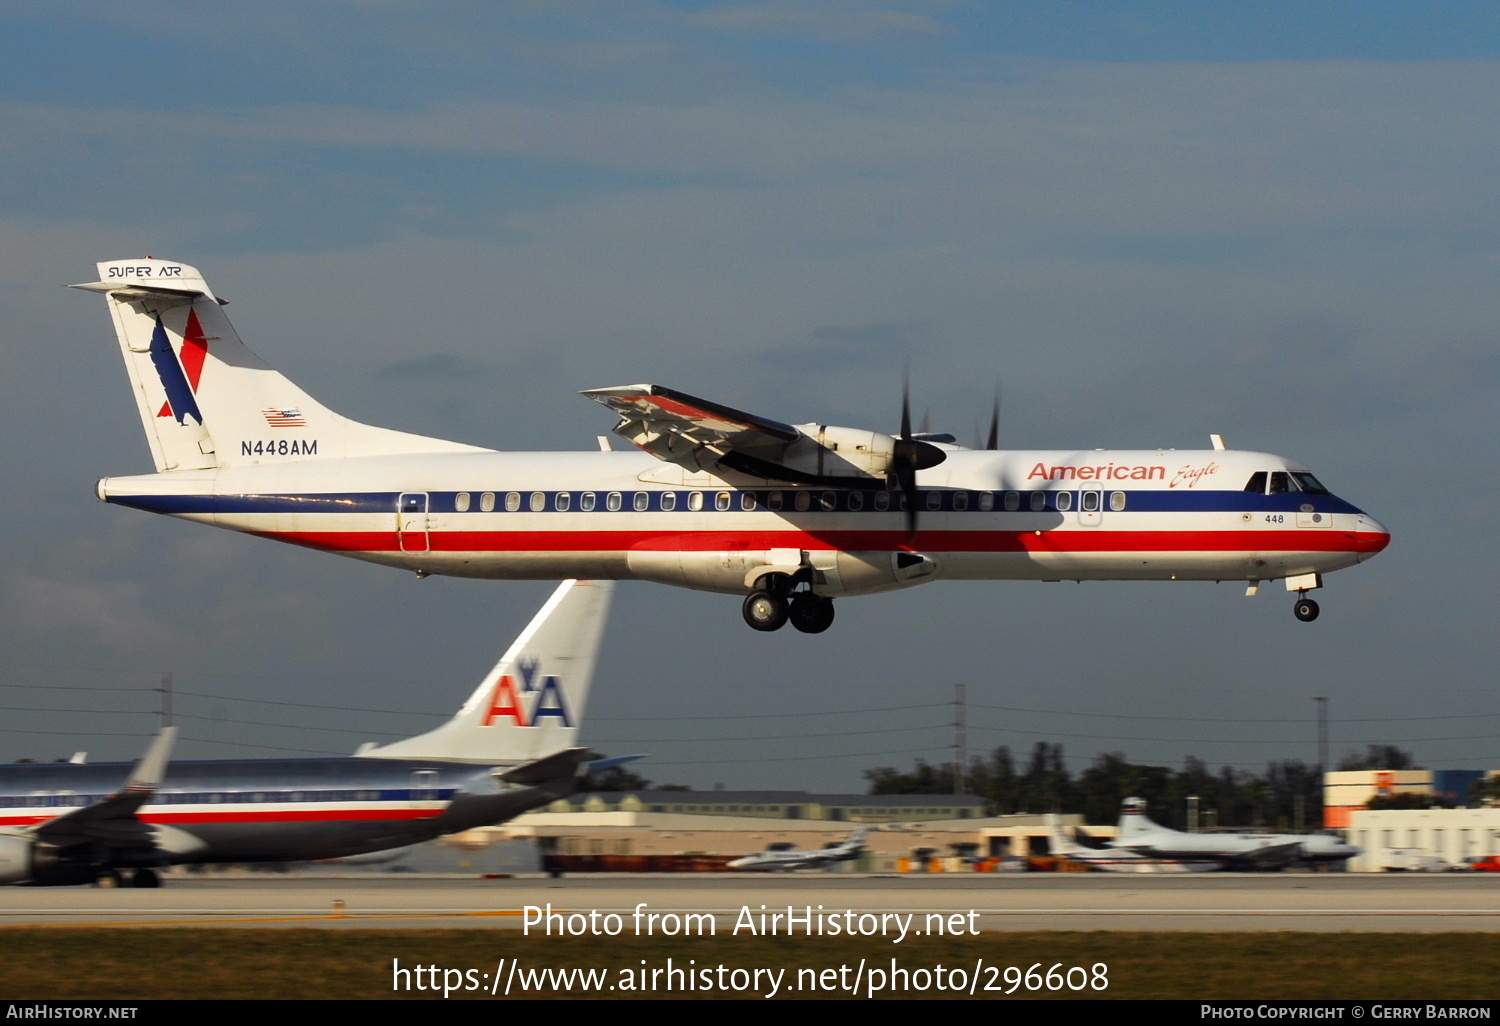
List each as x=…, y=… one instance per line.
x=1220, y=901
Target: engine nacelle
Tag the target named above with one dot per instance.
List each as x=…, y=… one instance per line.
x=17, y=858
x=826, y=451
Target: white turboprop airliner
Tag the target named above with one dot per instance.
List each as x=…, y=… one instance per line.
x=1115, y=861
x=789, y=516
x=509, y=749
x=1238, y=851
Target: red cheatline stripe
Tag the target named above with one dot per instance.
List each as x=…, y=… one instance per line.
x=1081, y=540
x=261, y=816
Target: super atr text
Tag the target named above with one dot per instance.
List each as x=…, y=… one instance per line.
x=806, y=921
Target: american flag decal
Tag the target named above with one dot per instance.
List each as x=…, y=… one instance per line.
x=291, y=417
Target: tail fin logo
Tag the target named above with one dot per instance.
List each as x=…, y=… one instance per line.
x=180, y=379
x=506, y=703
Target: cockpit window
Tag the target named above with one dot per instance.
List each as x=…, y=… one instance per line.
x=1309, y=483
x=1281, y=483
x=1257, y=483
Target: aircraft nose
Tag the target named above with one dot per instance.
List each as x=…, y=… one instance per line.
x=1370, y=537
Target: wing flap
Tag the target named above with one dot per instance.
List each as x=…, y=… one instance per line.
x=692, y=432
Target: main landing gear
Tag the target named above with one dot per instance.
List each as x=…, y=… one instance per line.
x=1305, y=609
x=770, y=606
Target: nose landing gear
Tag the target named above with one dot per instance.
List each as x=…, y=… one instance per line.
x=1305, y=609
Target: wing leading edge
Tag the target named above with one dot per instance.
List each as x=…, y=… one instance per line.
x=698, y=434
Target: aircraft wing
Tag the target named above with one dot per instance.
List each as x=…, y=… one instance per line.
x=695, y=433
x=1271, y=854
x=113, y=821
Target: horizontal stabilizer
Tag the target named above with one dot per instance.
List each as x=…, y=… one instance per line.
x=561, y=764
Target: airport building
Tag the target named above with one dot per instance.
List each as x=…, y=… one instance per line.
x=1407, y=839
x=837, y=808
x=622, y=838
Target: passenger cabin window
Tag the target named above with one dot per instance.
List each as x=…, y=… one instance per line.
x=1117, y=501
x=642, y=501
x=586, y=502
x=986, y=501
x=856, y=500
x=695, y=501
x=882, y=501
x=1090, y=502
x=461, y=502
x=747, y=501
x=934, y=500
x=564, y=500
x=612, y=502
x=1038, y=501
x=829, y=501
x=538, y=501
x=512, y=501
x=1012, y=501
x=1257, y=483
x=721, y=501
x=1064, y=501
x=487, y=502
x=668, y=501
x=803, y=502
x=960, y=500
x=773, y=502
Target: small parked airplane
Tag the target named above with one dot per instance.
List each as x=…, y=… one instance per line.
x=509, y=749
x=779, y=859
x=1238, y=851
x=787, y=516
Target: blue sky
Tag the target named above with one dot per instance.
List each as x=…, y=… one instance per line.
x=1153, y=221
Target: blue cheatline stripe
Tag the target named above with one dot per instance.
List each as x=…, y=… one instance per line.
x=446, y=502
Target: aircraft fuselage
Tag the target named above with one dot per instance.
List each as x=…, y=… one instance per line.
x=269, y=810
x=1013, y=515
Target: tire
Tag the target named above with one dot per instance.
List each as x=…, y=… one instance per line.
x=764, y=611
x=811, y=614
x=1305, y=610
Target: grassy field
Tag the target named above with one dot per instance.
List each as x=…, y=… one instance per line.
x=357, y=963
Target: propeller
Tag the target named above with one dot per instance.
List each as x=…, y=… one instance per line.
x=993, y=442
x=908, y=456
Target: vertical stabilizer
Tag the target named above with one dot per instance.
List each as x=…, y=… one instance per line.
x=1058, y=842
x=205, y=400
x=529, y=706
x=1134, y=826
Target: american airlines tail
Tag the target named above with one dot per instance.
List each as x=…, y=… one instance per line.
x=529, y=706
x=205, y=400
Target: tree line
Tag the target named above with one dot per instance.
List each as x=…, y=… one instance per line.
x=1288, y=795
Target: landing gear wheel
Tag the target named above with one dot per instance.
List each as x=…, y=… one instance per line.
x=764, y=611
x=811, y=614
x=145, y=878
x=1305, y=609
